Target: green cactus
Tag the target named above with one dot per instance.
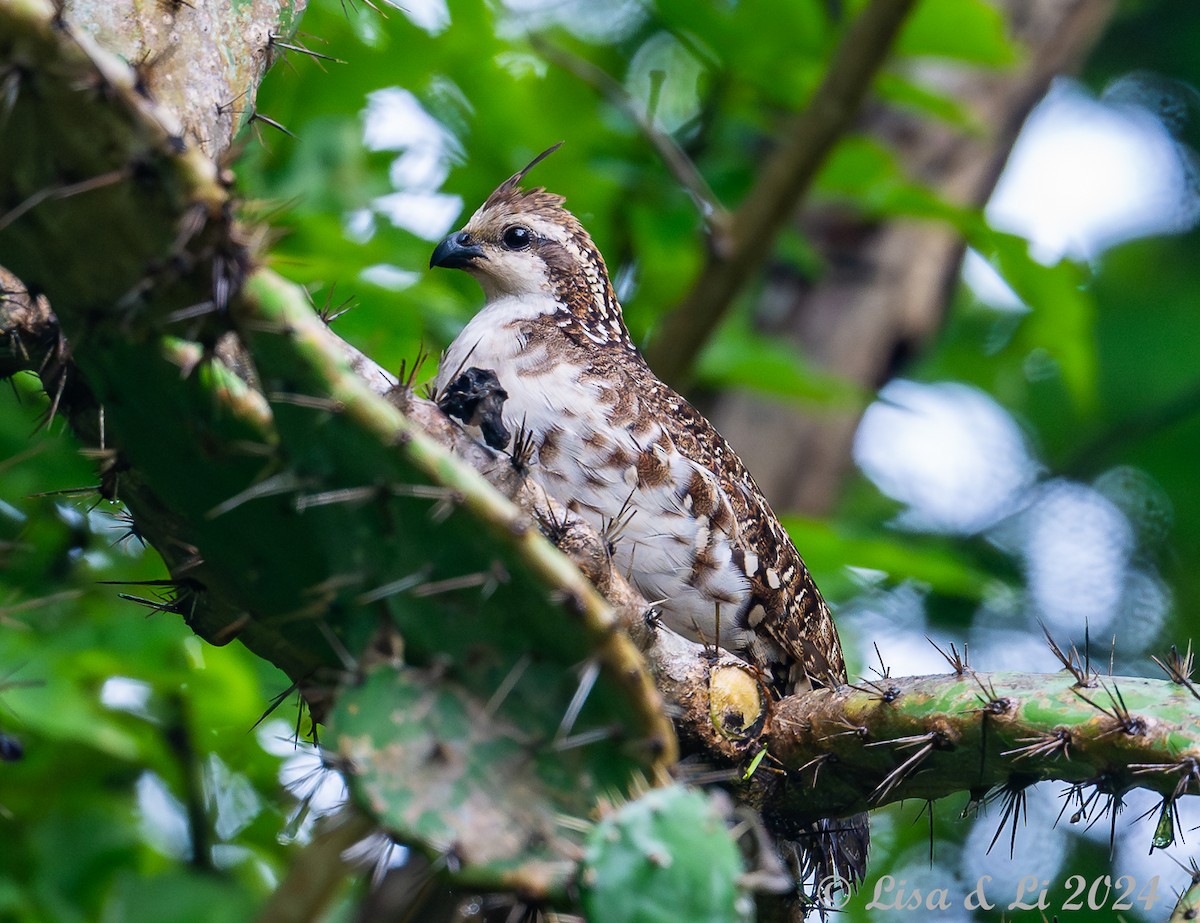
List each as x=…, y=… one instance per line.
x=665, y=856
x=375, y=529
x=923, y=737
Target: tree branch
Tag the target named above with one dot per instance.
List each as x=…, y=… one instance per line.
x=716, y=218
x=885, y=285
x=780, y=186
x=319, y=868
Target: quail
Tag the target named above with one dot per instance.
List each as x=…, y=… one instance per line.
x=616, y=445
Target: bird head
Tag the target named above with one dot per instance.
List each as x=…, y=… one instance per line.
x=524, y=243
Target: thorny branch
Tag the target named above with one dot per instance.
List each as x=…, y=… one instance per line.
x=1187, y=908
x=923, y=737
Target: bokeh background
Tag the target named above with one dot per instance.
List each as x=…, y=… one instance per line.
x=1007, y=443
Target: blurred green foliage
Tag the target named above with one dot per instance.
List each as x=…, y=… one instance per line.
x=78, y=843
x=1100, y=373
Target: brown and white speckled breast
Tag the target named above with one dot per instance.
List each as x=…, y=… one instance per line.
x=608, y=457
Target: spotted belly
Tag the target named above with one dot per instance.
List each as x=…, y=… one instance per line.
x=670, y=526
x=599, y=452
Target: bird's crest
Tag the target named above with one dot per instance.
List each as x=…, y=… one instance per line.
x=572, y=268
x=510, y=192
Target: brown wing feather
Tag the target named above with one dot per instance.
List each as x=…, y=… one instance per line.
x=793, y=613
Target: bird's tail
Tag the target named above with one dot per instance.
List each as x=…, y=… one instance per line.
x=827, y=858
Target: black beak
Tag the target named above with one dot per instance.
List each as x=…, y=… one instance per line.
x=457, y=251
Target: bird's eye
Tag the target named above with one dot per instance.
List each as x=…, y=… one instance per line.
x=517, y=237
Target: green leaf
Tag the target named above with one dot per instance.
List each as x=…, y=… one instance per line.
x=867, y=174
x=737, y=357
x=923, y=100
x=1062, y=318
x=857, y=165
x=964, y=30
x=174, y=897
x=829, y=551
